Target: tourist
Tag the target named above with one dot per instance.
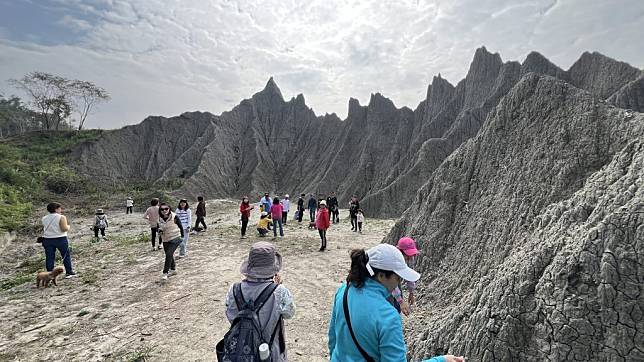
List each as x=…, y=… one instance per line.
x=332, y=201
x=100, y=223
x=261, y=272
x=152, y=215
x=172, y=232
x=129, y=203
x=185, y=215
x=369, y=317
x=55, y=228
x=359, y=219
x=286, y=204
x=276, y=214
x=264, y=224
x=244, y=209
x=266, y=202
x=322, y=223
x=300, y=208
x=313, y=205
x=354, y=205
x=407, y=247
x=201, y=214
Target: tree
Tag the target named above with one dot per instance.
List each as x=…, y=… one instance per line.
x=15, y=117
x=86, y=95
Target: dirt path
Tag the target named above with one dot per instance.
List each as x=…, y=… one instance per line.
x=119, y=309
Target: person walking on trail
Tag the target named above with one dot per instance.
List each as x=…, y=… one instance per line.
x=360, y=219
x=152, y=215
x=300, y=208
x=332, y=201
x=354, y=205
x=172, y=232
x=364, y=325
x=185, y=215
x=262, y=284
x=129, y=203
x=201, y=214
x=100, y=223
x=244, y=210
x=276, y=214
x=322, y=223
x=407, y=247
x=313, y=205
x=286, y=204
x=54, y=237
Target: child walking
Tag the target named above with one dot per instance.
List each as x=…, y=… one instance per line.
x=185, y=215
x=100, y=223
x=360, y=219
x=407, y=247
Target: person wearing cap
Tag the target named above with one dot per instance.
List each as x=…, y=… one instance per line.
x=322, y=223
x=373, y=321
x=264, y=224
x=260, y=270
x=100, y=223
x=185, y=215
x=286, y=204
x=407, y=247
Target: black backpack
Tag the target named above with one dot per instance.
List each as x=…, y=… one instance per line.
x=241, y=342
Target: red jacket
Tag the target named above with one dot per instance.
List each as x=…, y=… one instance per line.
x=322, y=220
x=244, y=210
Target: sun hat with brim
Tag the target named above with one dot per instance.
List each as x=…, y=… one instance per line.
x=387, y=257
x=263, y=261
x=408, y=246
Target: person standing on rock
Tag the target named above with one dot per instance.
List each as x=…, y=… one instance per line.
x=172, y=231
x=322, y=223
x=286, y=204
x=244, y=210
x=313, y=205
x=129, y=203
x=354, y=205
x=185, y=215
x=332, y=201
x=201, y=213
x=152, y=215
x=364, y=325
x=55, y=228
x=276, y=214
x=300, y=208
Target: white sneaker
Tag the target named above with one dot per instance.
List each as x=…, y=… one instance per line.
x=164, y=276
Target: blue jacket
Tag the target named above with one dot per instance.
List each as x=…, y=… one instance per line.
x=376, y=324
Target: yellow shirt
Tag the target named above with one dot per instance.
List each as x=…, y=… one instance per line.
x=263, y=223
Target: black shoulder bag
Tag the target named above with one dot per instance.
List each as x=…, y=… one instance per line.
x=345, y=305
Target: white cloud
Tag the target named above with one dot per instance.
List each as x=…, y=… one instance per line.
x=165, y=57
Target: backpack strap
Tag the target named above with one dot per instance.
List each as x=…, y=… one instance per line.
x=345, y=305
x=262, y=298
x=239, y=296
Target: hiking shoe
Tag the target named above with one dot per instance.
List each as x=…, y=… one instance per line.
x=172, y=272
x=154, y=248
x=244, y=237
x=164, y=276
x=159, y=247
x=70, y=275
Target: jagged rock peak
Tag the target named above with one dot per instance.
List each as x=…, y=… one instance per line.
x=271, y=88
x=536, y=62
x=601, y=75
x=378, y=100
x=482, y=57
x=354, y=107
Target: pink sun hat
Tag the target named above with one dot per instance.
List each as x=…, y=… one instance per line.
x=408, y=246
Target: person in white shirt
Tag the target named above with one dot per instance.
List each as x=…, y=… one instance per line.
x=54, y=235
x=286, y=203
x=128, y=205
x=185, y=215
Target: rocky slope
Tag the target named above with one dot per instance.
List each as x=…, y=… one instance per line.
x=532, y=233
x=381, y=153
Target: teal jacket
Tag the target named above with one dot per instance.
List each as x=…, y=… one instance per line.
x=376, y=324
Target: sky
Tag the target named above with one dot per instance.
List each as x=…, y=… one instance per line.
x=166, y=57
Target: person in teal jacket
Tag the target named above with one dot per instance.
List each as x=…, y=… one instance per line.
x=375, y=322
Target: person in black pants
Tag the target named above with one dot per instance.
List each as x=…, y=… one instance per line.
x=354, y=205
x=332, y=201
x=313, y=205
x=201, y=214
x=244, y=209
x=300, y=208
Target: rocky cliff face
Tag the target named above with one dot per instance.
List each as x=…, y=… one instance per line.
x=381, y=153
x=532, y=233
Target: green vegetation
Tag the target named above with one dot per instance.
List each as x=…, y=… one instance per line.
x=125, y=240
x=140, y=355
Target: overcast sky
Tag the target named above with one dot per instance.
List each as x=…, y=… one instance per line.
x=165, y=57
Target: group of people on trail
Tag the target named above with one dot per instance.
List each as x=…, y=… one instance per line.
x=365, y=324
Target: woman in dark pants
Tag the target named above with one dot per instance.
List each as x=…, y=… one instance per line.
x=54, y=234
x=244, y=210
x=171, y=231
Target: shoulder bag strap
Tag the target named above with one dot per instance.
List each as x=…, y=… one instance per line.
x=50, y=224
x=345, y=305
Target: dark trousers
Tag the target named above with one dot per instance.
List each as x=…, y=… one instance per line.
x=336, y=215
x=360, y=226
x=262, y=232
x=284, y=215
x=322, y=239
x=201, y=220
x=62, y=244
x=244, y=221
x=312, y=214
x=300, y=215
x=169, y=249
x=96, y=229
x=154, y=232
x=354, y=222
x=128, y=210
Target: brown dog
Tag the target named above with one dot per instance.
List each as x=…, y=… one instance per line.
x=45, y=277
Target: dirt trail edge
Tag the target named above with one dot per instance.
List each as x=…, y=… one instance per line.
x=119, y=309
